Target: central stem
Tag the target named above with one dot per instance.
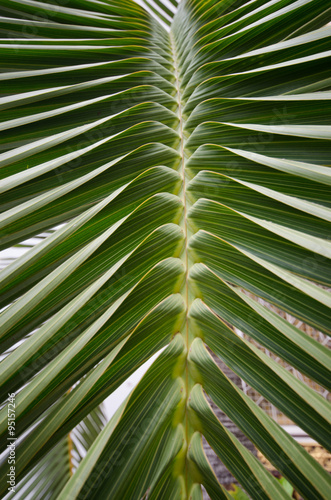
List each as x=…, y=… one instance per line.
x=185, y=333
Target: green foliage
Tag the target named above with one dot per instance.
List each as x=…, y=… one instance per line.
x=286, y=485
x=238, y=494
x=180, y=169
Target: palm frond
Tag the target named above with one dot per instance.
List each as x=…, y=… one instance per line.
x=184, y=168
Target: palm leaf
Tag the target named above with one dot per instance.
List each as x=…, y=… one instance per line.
x=181, y=168
x=54, y=470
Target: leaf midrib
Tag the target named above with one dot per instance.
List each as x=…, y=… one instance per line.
x=181, y=169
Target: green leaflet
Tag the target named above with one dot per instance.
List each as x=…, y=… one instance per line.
x=284, y=339
x=172, y=162
x=208, y=479
x=147, y=413
x=288, y=456
x=268, y=378
x=249, y=472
